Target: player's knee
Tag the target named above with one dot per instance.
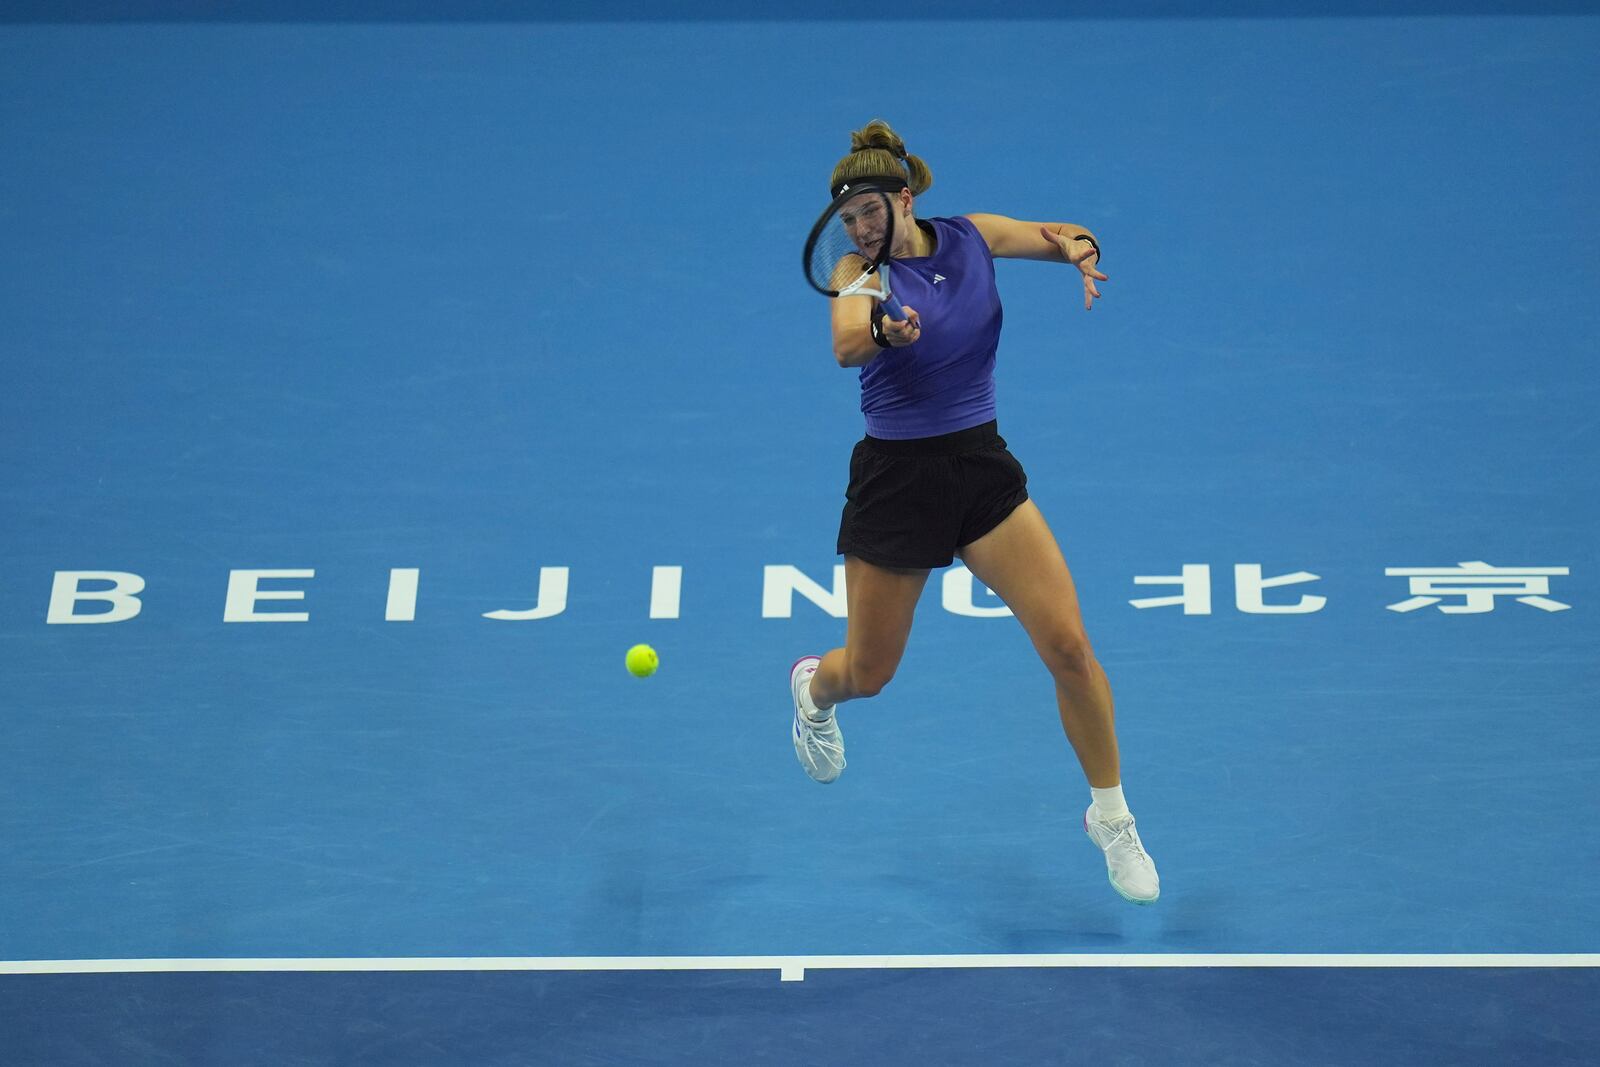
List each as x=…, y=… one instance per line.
x=1067, y=653
x=867, y=679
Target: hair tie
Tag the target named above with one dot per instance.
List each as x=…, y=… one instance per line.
x=880, y=148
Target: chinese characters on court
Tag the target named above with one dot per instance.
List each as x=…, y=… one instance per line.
x=1467, y=589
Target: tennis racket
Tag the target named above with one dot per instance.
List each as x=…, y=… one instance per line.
x=847, y=253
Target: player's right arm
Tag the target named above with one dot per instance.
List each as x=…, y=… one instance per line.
x=853, y=345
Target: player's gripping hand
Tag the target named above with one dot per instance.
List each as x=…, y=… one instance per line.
x=900, y=334
x=1085, y=257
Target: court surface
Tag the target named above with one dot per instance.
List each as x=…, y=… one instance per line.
x=377, y=383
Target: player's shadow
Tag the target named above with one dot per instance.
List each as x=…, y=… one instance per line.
x=1065, y=904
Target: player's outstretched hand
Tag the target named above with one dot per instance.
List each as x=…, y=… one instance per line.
x=1084, y=256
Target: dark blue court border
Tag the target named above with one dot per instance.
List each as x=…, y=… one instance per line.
x=1214, y=1015
x=88, y=11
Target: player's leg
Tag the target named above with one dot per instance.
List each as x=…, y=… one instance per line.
x=882, y=602
x=1020, y=560
x=895, y=511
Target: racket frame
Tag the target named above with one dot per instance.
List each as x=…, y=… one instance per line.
x=879, y=268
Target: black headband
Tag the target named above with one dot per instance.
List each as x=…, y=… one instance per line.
x=886, y=182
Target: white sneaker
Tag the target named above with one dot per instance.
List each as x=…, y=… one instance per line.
x=1129, y=867
x=818, y=745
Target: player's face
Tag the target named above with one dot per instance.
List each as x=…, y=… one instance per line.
x=866, y=222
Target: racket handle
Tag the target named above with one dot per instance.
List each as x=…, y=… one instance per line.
x=891, y=306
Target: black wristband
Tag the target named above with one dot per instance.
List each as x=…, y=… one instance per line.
x=1092, y=244
x=877, y=327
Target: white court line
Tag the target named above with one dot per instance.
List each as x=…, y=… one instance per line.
x=793, y=968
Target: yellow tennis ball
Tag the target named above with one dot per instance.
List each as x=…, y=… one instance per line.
x=642, y=661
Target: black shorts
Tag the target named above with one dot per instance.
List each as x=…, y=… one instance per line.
x=912, y=503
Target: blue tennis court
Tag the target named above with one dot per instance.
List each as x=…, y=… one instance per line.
x=374, y=379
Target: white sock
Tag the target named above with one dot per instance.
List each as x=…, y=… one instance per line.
x=1108, y=803
x=809, y=706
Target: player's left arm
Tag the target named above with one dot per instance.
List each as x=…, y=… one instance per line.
x=1053, y=242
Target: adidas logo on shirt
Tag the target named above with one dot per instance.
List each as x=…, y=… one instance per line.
x=937, y=278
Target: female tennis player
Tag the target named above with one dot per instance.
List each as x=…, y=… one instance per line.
x=932, y=480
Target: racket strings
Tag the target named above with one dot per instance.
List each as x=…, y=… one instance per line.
x=849, y=243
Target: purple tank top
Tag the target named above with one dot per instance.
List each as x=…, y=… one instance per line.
x=944, y=382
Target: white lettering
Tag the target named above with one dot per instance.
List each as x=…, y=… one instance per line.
x=1478, y=584
x=551, y=600
x=1248, y=586
x=666, y=592
x=1471, y=588
x=123, y=596
x=1196, y=595
x=782, y=582
x=243, y=597
x=402, y=595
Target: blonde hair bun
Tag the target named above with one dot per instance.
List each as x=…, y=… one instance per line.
x=876, y=151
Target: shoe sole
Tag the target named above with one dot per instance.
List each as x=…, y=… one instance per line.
x=1131, y=900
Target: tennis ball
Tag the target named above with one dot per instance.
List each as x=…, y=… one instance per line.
x=642, y=661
